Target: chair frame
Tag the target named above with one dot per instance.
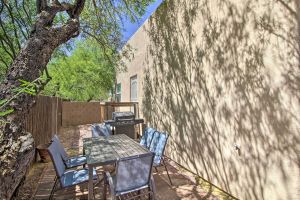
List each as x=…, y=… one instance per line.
x=94, y=129
x=57, y=178
x=63, y=149
x=148, y=147
x=150, y=186
x=164, y=164
x=162, y=159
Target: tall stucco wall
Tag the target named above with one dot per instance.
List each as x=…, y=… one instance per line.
x=221, y=76
x=136, y=67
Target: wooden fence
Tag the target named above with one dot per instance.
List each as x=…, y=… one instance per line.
x=48, y=114
x=80, y=113
x=44, y=119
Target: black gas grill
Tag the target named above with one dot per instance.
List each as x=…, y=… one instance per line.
x=124, y=123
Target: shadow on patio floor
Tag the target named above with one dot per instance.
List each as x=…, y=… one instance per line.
x=184, y=186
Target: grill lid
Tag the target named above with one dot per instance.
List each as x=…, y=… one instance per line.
x=123, y=116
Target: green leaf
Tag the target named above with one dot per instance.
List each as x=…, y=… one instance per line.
x=24, y=82
x=7, y=112
x=3, y=101
x=29, y=91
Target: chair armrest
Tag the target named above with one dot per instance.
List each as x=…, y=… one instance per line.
x=111, y=184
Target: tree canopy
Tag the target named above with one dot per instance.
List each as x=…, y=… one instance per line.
x=28, y=42
x=85, y=75
x=100, y=19
x=16, y=18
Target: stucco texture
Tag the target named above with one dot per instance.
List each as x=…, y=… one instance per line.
x=223, y=78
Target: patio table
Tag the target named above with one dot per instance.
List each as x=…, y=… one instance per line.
x=102, y=151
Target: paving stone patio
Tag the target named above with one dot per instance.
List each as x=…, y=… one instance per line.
x=184, y=184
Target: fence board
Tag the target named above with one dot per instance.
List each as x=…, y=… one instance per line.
x=48, y=114
x=43, y=120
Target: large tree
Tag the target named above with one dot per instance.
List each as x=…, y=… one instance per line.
x=83, y=76
x=100, y=20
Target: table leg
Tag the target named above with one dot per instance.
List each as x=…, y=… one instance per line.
x=153, y=187
x=91, y=185
x=104, y=187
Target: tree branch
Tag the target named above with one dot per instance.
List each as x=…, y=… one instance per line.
x=41, y=5
x=21, y=23
x=5, y=37
x=78, y=7
x=14, y=25
x=26, y=12
x=70, y=29
x=131, y=12
x=104, y=46
x=5, y=63
x=9, y=45
x=6, y=50
x=73, y=10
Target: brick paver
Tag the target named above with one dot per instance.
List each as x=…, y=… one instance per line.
x=183, y=186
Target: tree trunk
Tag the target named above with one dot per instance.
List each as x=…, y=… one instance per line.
x=16, y=145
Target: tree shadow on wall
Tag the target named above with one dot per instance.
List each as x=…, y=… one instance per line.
x=226, y=74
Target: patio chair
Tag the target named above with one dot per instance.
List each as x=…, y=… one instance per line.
x=66, y=178
x=69, y=162
x=101, y=130
x=157, y=146
x=147, y=137
x=133, y=175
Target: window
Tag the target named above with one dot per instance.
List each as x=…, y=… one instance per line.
x=118, y=93
x=133, y=88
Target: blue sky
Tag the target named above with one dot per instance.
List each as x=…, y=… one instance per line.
x=131, y=28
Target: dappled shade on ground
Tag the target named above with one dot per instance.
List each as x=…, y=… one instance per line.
x=184, y=186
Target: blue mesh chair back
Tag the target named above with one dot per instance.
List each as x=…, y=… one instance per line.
x=108, y=128
x=147, y=137
x=100, y=130
x=60, y=148
x=57, y=160
x=66, y=178
x=158, y=145
x=133, y=172
x=68, y=161
x=154, y=141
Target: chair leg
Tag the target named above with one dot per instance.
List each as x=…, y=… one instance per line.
x=167, y=171
x=53, y=188
x=153, y=188
x=139, y=194
x=104, y=187
x=149, y=193
x=156, y=169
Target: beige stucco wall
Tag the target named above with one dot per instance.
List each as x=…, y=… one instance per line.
x=136, y=67
x=220, y=74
